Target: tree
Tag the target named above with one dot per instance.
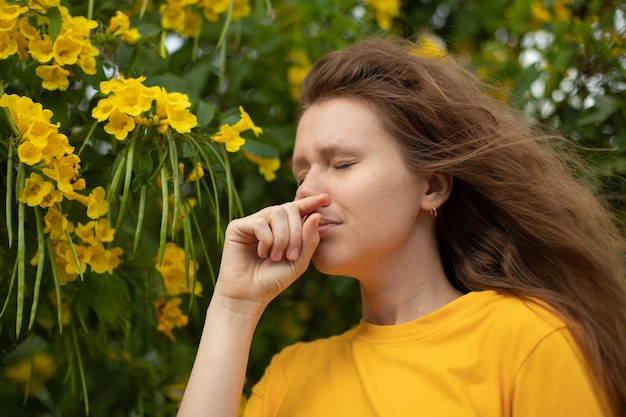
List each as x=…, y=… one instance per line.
x=131, y=137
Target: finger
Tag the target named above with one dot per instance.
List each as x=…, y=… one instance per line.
x=310, y=239
x=263, y=233
x=308, y=205
x=294, y=221
x=279, y=224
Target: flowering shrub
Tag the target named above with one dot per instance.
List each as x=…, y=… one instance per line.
x=131, y=132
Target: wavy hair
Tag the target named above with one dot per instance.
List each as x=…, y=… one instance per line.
x=519, y=219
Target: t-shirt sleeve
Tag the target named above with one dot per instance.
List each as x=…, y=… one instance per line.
x=261, y=403
x=555, y=381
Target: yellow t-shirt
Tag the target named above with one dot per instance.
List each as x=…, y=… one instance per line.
x=484, y=354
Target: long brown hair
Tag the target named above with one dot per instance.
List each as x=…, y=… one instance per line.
x=518, y=220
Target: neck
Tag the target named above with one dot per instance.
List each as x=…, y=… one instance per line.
x=405, y=299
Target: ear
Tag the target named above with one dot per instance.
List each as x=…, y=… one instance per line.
x=438, y=191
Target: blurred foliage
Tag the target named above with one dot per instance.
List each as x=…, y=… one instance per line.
x=102, y=343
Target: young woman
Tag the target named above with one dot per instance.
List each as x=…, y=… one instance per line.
x=492, y=281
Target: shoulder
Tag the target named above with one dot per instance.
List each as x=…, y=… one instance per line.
x=515, y=313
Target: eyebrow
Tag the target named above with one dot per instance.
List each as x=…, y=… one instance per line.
x=327, y=150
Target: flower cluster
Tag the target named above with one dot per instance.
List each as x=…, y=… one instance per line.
x=299, y=67
x=230, y=135
x=179, y=277
x=119, y=26
x=431, y=46
x=185, y=16
x=32, y=373
x=54, y=52
x=54, y=177
x=384, y=11
x=130, y=103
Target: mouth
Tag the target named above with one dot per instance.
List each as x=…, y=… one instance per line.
x=326, y=225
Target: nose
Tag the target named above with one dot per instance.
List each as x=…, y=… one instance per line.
x=310, y=185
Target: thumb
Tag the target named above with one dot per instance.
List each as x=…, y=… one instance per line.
x=310, y=238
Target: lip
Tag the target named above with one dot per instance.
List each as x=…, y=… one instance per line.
x=326, y=225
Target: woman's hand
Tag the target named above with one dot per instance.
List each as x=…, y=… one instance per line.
x=267, y=251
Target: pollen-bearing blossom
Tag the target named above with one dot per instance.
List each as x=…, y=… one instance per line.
x=54, y=77
x=172, y=107
x=169, y=316
x=35, y=190
x=172, y=269
x=384, y=11
x=267, y=166
x=130, y=102
x=185, y=16
x=231, y=135
x=119, y=25
x=24, y=31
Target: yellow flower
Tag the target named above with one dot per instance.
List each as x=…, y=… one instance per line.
x=96, y=204
x=32, y=373
x=95, y=232
x=60, y=249
x=103, y=231
x=86, y=60
x=40, y=48
x=246, y=123
x=241, y=8
x=83, y=253
x=42, y=6
x=169, y=316
x=63, y=170
x=104, y=260
x=55, y=196
x=384, y=11
x=267, y=166
x=195, y=174
x=103, y=109
x=8, y=45
x=430, y=46
x=28, y=153
x=173, y=107
x=38, y=132
x=35, y=190
x=56, y=224
x=58, y=146
x=229, y=136
x=86, y=232
x=66, y=49
x=120, y=124
x=172, y=270
x=54, y=77
x=120, y=26
x=130, y=95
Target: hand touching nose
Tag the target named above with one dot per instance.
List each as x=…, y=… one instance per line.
x=266, y=251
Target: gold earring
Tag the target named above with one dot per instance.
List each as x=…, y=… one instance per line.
x=433, y=212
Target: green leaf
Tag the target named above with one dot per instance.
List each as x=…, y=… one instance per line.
x=54, y=22
x=143, y=166
x=605, y=106
x=260, y=149
x=205, y=112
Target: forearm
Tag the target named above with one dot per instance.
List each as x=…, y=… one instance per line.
x=216, y=382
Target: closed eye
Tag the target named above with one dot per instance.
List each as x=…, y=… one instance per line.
x=342, y=165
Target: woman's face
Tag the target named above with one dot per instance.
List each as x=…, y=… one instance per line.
x=373, y=221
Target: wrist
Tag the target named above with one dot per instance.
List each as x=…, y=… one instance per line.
x=239, y=312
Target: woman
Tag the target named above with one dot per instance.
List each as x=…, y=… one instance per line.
x=491, y=281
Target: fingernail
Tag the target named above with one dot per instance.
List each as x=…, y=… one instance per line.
x=293, y=254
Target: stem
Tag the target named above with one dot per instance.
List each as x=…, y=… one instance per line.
x=140, y=215
x=9, y=196
x=130, y=153
x=41, y=252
